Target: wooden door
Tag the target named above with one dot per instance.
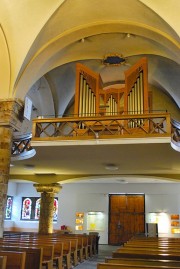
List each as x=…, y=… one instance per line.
x=126, y=217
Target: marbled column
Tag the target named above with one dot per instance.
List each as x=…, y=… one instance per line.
x=47, y=204
x=10, y=120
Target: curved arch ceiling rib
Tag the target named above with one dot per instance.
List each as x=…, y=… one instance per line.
x=65, y=39
x=57, y=38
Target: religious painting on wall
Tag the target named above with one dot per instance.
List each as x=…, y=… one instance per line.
x=37, y=208
x=30, y=209
x=55, y=209
x=8, y=211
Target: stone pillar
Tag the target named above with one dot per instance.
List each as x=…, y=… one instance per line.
x=10, y=120
x=47, y=203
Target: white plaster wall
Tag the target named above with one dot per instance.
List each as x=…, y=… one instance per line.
x=94, y=197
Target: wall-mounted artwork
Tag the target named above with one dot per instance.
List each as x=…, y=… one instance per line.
x=8, y=211
x=95, y=221
x=30, y=209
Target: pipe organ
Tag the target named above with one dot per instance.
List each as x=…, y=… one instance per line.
x=92, y=100
x=88, y=84
x=110, y=101
x=136, y=88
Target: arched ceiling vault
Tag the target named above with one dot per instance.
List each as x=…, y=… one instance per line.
x=56, y=43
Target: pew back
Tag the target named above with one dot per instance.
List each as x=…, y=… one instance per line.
x=3, y=262
x=15, y=259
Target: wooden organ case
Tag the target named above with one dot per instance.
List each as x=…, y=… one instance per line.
x=136, y=88
x=91, y=100
x=88, y=85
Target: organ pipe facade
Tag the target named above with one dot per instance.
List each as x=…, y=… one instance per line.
x=92, y=100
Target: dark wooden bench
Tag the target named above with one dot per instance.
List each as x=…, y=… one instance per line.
x=14, y=259
x=33, y=255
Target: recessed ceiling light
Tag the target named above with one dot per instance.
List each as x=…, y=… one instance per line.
x=111, y=166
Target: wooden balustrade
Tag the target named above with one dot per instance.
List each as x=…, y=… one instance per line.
x=118, y=126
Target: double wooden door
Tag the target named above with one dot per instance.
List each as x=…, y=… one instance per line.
x=126, y=217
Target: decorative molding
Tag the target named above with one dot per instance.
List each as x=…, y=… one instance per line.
x=113, y=60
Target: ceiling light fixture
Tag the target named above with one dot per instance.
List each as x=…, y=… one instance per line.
x=111, y=167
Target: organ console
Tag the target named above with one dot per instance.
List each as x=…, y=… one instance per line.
x=92, y=100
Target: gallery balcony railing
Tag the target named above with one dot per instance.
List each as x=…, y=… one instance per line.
x=102, y=127
x=21, y=147
x=77, y=128
x=175, y=140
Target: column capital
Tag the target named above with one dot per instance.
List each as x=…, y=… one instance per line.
x=11, y=113
x=49, y=188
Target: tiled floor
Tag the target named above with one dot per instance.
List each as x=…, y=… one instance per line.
x=104, y=251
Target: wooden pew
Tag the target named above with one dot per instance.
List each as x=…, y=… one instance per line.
x=14, y=259
x=146, y=255
x=33, y=255
x=75, y=247
x=56, y=255
x=70, y=249
x=82, y=245
x=150, y=247
x=150, y=262
x=47, y=250
x=52, y=250
x=62, y=248
x=154, y=239
x=152, y=244
x=3, y=262
x=123, y=266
